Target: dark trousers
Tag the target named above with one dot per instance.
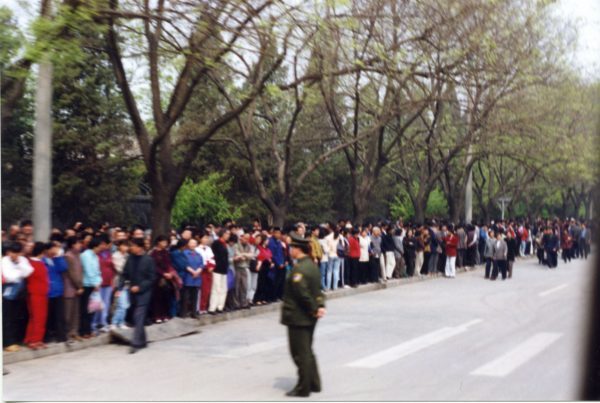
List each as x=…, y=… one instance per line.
x=566, y=255
x=511, y=263
x=481, y=247
x=410, y=264
x=353, y=271
x=55, y=325
x=363, y=272
x=552, y=258
x=499, y=265
x=85, y=323
x=189, y=295
x=425, y=268
x=14, y=321
x=460, y=257
x=161, y=301
x=441, y=264
x=279, y=283
x=488, y=266
x=300, y=340
x=433, y=263
x=540, y=255
x=374, y=269
x=262, y=284
x=139, y=331
x=240, y=294
x=345, y=265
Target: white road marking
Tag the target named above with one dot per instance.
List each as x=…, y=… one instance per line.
x=518, y=356
x=550, y=291
x=275, y=343
x=411, y=346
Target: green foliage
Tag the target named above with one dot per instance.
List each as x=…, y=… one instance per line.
x=402, y=206
x=204, y=201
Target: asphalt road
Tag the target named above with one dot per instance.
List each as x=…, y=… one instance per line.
x=447, y=339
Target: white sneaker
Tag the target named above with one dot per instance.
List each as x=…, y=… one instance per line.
x=124, y=326
x=112, y=327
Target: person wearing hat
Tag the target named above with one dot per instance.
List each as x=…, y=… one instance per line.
x=303, y=304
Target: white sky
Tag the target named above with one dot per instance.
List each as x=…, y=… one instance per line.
x=584, y=13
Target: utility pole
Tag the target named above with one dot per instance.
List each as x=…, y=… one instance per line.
x=42, y=145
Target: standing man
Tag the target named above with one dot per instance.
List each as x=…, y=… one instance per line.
x=243, y=253
x=303, y=305
x=140, y=272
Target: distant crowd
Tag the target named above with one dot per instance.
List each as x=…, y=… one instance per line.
x=73, y=287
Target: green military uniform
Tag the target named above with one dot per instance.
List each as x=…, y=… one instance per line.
x=301, y=300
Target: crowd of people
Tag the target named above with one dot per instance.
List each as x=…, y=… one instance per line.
x=85, y=281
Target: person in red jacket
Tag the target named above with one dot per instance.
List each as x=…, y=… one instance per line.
x=353, y=257
x=38, y=286
x=451, y=242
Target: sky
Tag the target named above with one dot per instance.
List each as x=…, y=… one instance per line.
x=585, y=15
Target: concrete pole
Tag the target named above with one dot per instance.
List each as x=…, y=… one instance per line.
x=42, y=154
x=469, y=197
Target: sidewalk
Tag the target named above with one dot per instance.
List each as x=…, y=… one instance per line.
x=178, y=327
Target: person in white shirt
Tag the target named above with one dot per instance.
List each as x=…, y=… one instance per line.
x=15, y=269
x=208, y=258
x=324, y=263
x=363, y=261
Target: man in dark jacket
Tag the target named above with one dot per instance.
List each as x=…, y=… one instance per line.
x=303, y=304
x=513, y=250
x=139, y=272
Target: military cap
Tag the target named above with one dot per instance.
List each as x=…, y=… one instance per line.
x=297, y=240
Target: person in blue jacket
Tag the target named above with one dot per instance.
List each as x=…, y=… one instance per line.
x=276, y=247
x=57, y=265
x=180, y=264
x=192, y=280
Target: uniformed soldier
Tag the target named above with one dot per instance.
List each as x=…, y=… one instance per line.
x=303, y=305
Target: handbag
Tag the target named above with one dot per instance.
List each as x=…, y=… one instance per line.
x=253, y=266
x=13, y=291
x=95, y=303
x=230, y=279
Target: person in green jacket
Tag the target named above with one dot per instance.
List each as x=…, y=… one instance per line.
x=303, y=304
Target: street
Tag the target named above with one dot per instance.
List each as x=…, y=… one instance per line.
x=447, y=339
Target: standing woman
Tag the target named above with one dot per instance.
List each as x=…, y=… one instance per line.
x=37, y=298
x=425, y=238
x=500, y=255
x=91, y=282
x=303, y=305
x=451, y=244
x=488, y=253
x=73, y=282
x=163, y=289
x=353, y=258
x=363, y=260
x=208, y=258
x=377, y=260
x=513, y=250
x=566, y=243
x=410, y=252
x=263, y=266
x=324, y=262
x=192, y=280
x=15, y=269
x=419, y=257
x=218, y=293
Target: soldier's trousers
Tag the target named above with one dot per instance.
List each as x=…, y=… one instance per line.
x=300, y=341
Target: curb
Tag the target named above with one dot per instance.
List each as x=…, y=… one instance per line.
x=207, y=320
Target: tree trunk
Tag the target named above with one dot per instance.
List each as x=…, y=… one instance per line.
x=161, y=211
x=361, y=197
x=279, y=214
x=419, y=207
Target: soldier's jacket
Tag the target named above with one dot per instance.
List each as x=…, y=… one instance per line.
x=302, y=294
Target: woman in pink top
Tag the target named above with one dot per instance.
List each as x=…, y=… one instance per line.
x=263, y=265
